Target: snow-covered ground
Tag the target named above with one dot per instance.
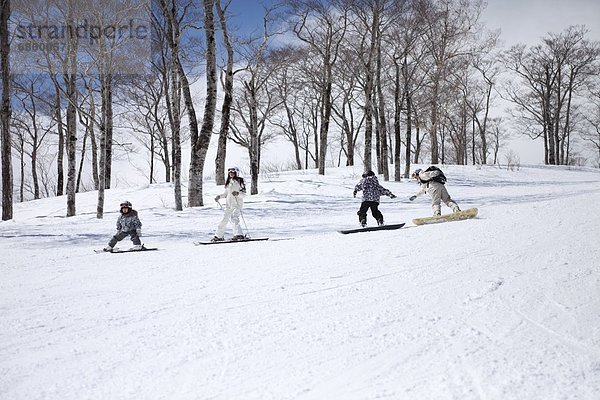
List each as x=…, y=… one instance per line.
x=504, y=306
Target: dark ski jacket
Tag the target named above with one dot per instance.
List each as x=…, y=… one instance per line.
x=371, y=189
x=129, y=222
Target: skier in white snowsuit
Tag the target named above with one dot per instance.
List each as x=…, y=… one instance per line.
x=235, y=191
x=430, y=184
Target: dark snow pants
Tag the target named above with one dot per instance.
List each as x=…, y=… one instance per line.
x=374, y=206
x=122, y=235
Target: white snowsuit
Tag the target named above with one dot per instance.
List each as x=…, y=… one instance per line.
x=437, y=191
x=233, y=207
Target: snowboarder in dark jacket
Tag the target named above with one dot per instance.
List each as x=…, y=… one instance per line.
x=128, y=224
x=372, y=191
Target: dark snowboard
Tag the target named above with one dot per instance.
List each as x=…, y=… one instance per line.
x=373, y=228
x=232, y=241
x=117, y=250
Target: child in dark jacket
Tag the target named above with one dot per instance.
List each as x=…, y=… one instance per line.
x=372, y=191
x=128, y=224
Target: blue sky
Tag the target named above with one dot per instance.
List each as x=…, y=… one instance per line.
x=520, y=20
x=247, y=15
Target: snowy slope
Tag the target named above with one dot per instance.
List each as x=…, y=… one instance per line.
x=505, y=306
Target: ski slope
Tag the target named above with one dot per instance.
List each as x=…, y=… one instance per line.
x=504, y=306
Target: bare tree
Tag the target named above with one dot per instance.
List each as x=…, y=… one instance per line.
x=368, y=18
x=288, y=84
x=166, y=25
x=5, y=113
x=201, y=140
x=227, y=96
x=255, y=103
x=551, y=76
x=30, y=122
x=321, y=25
x=70, y=78
x=347, y=103
x=592, y=118
x=147, y=117
x=408, y=56
x=88, y=120
x=451, y=26
x=482, y=100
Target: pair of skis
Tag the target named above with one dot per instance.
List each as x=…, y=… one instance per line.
x=247, y=239
x=117, y=250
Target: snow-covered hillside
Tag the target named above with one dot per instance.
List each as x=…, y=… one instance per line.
x=504, y=306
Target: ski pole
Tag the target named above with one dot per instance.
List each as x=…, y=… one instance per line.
x=242, y=215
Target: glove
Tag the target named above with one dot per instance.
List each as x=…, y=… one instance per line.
x=235, y=193
x=392, y=196
x=217, y=198
x=139, y=231
x=354, y=193
x=412, y=198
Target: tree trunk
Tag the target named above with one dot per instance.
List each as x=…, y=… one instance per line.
x=566, y=129
x=70, y=77
x=325, y=116
x=397, y=133
x=382, y=120
x=227, y=100
x=368, y=159
x=408, y=133
x=101, y=168
x=92, y=134
x=200, y=141
x=434, y=118
x=60, y=175
x=175, y=121
x=22, y=169
x=82, y=159
x=548, y=121
x=172, y=85
x=483, y=131
x=108, y=81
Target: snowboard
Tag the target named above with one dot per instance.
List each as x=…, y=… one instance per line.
x=372, y=228
x=466, y=214
x=231, y=241
x=117, y=250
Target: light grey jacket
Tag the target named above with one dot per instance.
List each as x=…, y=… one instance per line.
x=427, y=184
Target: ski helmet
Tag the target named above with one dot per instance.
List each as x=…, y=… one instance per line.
x=125, y=204
x=234, y=169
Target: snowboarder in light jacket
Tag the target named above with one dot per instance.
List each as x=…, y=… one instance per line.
x=235, y=191
x=372, y=191
x=431, y=184
x=128, y=224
